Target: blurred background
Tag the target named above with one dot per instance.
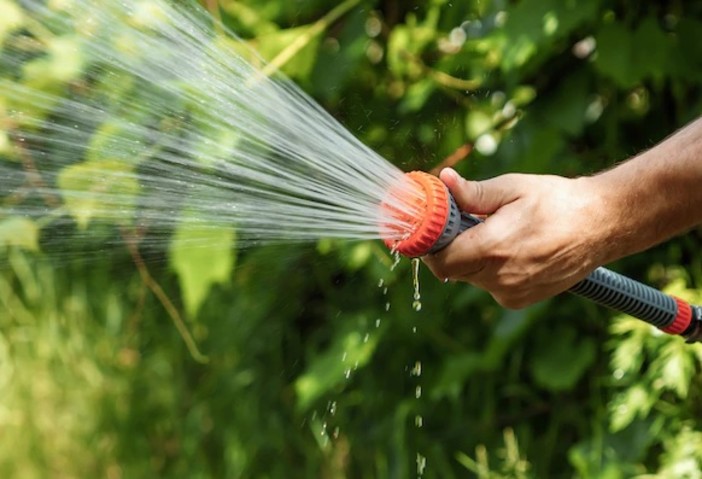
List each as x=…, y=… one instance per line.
x=308, y=360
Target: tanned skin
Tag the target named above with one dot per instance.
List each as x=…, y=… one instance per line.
x=545, y=233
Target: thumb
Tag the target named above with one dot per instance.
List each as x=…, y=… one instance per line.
x=480, y=197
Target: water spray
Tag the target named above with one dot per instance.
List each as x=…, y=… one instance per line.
x=436, y=221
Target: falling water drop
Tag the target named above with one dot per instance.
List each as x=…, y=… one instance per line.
x=417, y=303
x=421, y=464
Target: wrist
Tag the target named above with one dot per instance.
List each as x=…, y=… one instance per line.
x=611, y=223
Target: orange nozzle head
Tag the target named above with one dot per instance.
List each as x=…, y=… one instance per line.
x=416, y=213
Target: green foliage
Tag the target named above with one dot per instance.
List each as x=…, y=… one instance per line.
x=313, y=367
x=99, y=199
x=190, y=252
x=19, y=232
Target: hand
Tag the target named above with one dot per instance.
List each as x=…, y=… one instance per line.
x=543, y=234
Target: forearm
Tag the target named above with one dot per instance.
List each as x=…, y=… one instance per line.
x=653, y=196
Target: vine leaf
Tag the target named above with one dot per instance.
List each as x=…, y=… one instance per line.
x=20, y=232
x=202, y=255
x=99, y=189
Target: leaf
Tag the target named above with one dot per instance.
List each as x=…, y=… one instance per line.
x=301, y=64
x=559, y=365
x=348, y=351
x=99, y=189
x=630, y=57
x=676, y=363
x=637, y=400
x=533, y=25
x=64, y=62
x=406, y=42
x=11, y=18
x=20, y=232
x=202, y=255
x=456, y=370
x=114, y=139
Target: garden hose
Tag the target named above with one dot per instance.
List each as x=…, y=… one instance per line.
x=436, y=220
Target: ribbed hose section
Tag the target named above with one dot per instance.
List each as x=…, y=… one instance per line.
x=628, y=296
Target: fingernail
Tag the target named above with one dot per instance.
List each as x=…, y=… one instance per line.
x=449, y=174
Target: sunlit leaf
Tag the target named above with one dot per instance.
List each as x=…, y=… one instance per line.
x=350, y=350
x=64, y=62
x=299, y=65
x=202, y=256
x=635, y=401
x=99, y=190
x=20, y=232
x=11, y=18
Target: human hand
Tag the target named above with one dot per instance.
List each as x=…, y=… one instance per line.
x=542, y=235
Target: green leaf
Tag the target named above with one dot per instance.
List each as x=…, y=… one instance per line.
x=349, y=350
x=676, y=363
x=202, y=255
x=95, y=189
x=116, y=140
x=300, y=65
x=11, y=18
x=20, y=232
x=64, y=62
x=559, y=365
x=637, y=400
x=533, y=25
x=629, y=57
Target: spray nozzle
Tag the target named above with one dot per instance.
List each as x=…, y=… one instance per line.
x=429, y=215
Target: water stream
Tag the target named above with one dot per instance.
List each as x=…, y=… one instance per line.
x=142, y=114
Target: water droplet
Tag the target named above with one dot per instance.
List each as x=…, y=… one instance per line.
x=343, y=357
x=365, y=338
x=397, y=257
x=417, y=304
x=377, y=323
x=418, y=420
x=332, y=407
x=347, y=373
x=417, y=369
x=381, y=283
x=418, y=392
x=387, y=306
x=421, y=464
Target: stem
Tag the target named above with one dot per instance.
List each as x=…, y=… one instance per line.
x=453, y=159
x=442, y=78
x=34, y=177
x=212, y=6
x=303, y=40
x=163, y=298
